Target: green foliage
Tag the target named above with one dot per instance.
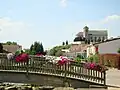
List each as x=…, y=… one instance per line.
x=58, y=53
x=36, y=45
x=1, y=48
x=36, y=48
x=41, y=49
x=79, y=58
x=63, y=43
x=66, y=42
x=57, y=50
x=118, y=50
x=31, y=47
x=93, y=58
x=10, y=43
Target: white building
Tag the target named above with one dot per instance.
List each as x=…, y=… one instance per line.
x=110, y=46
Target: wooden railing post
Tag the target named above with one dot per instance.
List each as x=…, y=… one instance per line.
x=27, y=67
x=65, y=71
x=105, y=79
x=65, y=75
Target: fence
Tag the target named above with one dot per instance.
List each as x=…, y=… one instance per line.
x=41, y=65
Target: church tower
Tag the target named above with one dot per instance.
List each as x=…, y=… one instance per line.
x=85, y=32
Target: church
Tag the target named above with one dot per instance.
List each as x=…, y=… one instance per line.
x=94, y=36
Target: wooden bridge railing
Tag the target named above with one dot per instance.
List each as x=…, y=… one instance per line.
x=42, y=65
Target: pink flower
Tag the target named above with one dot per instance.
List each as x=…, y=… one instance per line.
x=92, y=65
x=22, y=57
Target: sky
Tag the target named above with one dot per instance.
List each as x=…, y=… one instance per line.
x=54, y=21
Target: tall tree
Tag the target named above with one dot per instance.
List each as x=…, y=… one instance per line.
x=67, y=42
x=38, y=48
x=31, y=47
x=35, y=45
x=63, y=43
x=41, y=48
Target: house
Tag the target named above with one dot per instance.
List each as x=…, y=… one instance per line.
x=92, y=35
x=12, y=48
x=109, y=46
x=77, y=48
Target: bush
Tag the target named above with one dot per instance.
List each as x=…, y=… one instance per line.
x=93, y=58
x=118, y=50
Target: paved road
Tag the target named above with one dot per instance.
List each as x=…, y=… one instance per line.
x=113, y=77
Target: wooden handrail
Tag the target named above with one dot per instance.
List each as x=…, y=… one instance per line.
x=41, y=65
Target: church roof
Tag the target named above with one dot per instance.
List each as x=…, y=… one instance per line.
x=98, y=32
x=94, y=32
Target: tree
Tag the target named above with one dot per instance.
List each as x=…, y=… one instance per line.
x=10, y=43
x=35, y=45
x=14, y=43
x=31, y=47
x=41, y=48
x=66, y=42
x=36, y=48
x=63, y=43
x=1, y=48
x=59, y=53
x=57, y=50
x=118, y=51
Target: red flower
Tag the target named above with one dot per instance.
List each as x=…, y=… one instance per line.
x=22, y=58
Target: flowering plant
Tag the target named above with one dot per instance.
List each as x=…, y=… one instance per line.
x=63, y=60
x=20, y=56
x=94, y=66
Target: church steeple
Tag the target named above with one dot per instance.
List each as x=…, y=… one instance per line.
x=86, y=29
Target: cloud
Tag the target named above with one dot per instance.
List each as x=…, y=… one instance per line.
x=112, y=18
x=14, y=31
x=63, y=3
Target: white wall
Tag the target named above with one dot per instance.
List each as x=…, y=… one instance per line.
x=109, y=47
x=91, y=50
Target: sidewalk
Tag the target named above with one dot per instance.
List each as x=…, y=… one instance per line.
x=113, y=77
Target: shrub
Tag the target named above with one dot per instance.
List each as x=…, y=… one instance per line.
x=118, y=50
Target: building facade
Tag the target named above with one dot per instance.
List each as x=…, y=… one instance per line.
x=93, y=35
x=110, y=46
